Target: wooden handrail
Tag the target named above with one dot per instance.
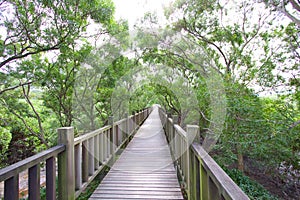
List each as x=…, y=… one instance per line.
x=217, y=175
x=10, y=174
x=203, y=178
x=18, y=167
x=79, y=160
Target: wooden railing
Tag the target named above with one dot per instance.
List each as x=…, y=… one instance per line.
x=203, y=178
x=79, y=160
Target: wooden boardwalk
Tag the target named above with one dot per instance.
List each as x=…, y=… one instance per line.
x=144, y=170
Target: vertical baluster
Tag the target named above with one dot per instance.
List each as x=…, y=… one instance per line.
x=105, y=145
x=183, y=158
x=203, y=182
x=108, y=143
x=78, y=166
x=121, y=132
x=34, y=182
x=91, y=156
x=85, y=160
x=11, y=188
x=50, y=179
x=130, y=122
x=175, y=121
x=192, y=177
x=116, y=138
x=112, y=135
x=198, y=179
x=141, y=116
x=192, y=132
x=126, y=130
x=101, y=148
x=133, y=116
x=169, y=129
x=181, y=154
x=213, y=189
x=96, y=152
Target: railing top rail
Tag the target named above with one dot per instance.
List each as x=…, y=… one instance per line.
x=91, y=134
x=121, y=121
x=22, y=165
x=231, y=190
x=180, y=130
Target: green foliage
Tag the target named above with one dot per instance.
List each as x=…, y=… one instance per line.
x=76, y=84
x=5, y=138
x=42, y=48
x=253, y=189
x=281, y=116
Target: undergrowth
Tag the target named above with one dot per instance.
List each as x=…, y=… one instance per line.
x=253, y=189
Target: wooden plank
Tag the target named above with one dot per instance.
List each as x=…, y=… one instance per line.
x=139, y=192
x=140, y=185
x=125, y=188
x=137, y=196
x=142, y=178
x=145, y=168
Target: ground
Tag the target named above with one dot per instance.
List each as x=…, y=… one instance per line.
x=272, y=182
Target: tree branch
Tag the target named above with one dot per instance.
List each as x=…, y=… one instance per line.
x=42, y=133
x=16, y=86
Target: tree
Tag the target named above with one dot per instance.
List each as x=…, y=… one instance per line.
x=290, y=8
x=39, y=41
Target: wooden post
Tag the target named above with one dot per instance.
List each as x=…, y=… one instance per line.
x=192, y=132
x=66, y=180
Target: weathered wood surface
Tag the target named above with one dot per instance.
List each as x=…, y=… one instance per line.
x=144, y=170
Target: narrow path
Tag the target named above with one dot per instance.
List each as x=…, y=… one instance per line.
x=144, y=169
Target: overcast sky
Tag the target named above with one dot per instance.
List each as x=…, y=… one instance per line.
x=135, y=9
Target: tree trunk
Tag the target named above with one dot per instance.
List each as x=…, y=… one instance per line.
x=240, y=158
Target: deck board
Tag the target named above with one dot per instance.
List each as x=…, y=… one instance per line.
x=144, y=170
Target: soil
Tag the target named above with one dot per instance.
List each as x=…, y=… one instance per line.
x=285, y=190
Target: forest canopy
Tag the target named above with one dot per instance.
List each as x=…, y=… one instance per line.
x=231, y=67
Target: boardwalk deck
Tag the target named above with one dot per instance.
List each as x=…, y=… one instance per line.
x=144, y=170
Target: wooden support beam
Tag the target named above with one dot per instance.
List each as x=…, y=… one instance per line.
x=66, y=175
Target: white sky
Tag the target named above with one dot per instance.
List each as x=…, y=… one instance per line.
x=135, y=9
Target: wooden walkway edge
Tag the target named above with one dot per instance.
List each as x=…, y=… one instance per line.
x=144, y=170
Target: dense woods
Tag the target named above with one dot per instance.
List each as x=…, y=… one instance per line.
x=232, y=67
